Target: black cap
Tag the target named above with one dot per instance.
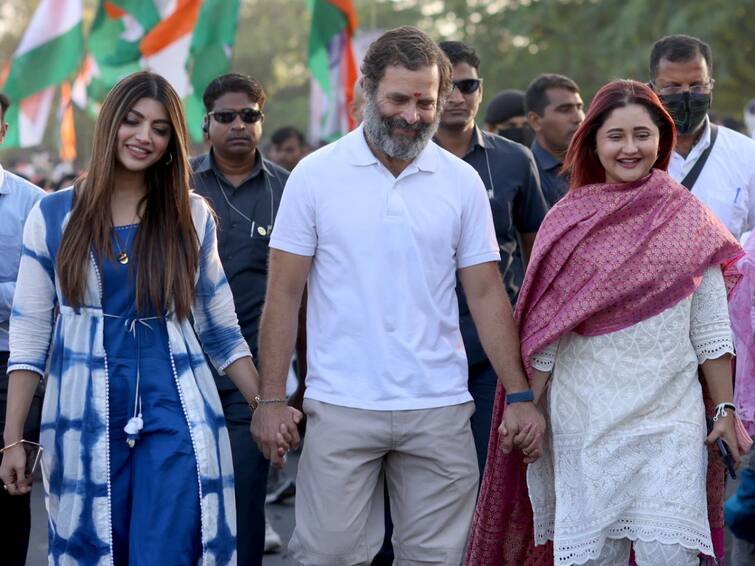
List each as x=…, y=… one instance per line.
x=506, y=104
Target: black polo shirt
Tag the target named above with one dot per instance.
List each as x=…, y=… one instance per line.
x=245, y=219
x=509, y=173
x=554, y=185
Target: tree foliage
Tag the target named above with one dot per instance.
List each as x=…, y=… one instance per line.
x=595, y=41
x=592, y=41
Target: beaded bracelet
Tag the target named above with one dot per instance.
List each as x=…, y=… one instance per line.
x=257, y=401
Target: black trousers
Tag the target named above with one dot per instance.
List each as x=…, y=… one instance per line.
x=15, y=511
x=250, y=469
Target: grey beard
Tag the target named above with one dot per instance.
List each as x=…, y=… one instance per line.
x=379, y=130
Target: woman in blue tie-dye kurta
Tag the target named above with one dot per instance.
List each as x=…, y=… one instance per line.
x=136, y=460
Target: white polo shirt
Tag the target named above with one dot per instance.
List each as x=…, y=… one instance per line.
x=382, y=313
x=727, y=182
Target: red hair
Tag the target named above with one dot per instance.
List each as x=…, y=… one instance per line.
x=582, y=161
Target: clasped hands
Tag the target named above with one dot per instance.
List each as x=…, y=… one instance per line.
x=274, y=429
x=522, y=428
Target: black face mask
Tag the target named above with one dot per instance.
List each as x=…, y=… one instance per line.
x=522, y=135
x=687, y=109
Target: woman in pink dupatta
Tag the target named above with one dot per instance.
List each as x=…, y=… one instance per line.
x=743, y=323
x=624, y=297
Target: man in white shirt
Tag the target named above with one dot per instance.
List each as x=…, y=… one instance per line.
x=681, y=68
x=378, y=224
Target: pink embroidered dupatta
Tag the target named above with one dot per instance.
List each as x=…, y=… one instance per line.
x=606, y=257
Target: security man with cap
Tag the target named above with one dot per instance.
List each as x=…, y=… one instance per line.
x=506, y=117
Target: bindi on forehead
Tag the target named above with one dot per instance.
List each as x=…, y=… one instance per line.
x=417, y=94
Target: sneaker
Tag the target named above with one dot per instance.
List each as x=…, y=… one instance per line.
x=280, y=492
x=273, y=543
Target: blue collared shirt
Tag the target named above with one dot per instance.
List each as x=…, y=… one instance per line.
x=554, y=185
x=17, y=197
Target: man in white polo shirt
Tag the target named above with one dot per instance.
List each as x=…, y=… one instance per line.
x=378, y=224
x=681, y=68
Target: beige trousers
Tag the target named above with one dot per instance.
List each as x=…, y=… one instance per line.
x=428, y=460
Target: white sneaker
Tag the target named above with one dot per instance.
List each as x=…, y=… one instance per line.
x=273, y=543
x=280, y=491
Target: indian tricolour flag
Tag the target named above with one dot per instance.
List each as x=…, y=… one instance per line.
x=189, y=42
x=49, y=53
x=333, y=68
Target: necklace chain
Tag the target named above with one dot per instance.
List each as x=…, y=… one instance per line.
x=122, y=255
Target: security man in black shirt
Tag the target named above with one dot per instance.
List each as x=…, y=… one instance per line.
x=244, y=190
x=510, y=175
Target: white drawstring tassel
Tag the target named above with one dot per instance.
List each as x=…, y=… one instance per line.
x=132, y=428
x=136, y=423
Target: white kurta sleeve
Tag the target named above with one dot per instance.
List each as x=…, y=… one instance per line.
x=545, y=359
x=710, y=328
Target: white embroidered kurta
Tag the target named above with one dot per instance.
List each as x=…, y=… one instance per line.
x=625, y=454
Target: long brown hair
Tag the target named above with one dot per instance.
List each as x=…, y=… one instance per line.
x=582, y=161
x=166, y=242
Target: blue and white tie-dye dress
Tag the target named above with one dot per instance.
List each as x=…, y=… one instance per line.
x=76, y=434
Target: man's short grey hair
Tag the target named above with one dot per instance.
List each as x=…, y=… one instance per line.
x=408, y=47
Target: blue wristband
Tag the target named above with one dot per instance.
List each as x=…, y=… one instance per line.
x=521, y=397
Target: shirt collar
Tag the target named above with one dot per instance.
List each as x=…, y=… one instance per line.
x=702, y=144
x=545, y=159
x=478, y=140
x=361, y=155
x=208, y=164
x=3, y=189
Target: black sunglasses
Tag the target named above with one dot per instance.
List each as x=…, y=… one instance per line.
x=468, y=86
x=248, y=115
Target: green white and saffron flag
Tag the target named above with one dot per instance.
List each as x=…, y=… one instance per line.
x=50, y=52
x=332, y=67
x=209, y=55
x=189, y=42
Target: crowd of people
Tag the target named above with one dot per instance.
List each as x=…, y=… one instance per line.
x=514, y=344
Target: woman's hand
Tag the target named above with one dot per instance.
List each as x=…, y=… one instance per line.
x=522, y=427
x=723, y=428
x=527, y=440
x=530, y=438
x=286, y=438
x=13, y=471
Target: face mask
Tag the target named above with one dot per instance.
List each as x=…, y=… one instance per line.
x=522, y=135
x=687, y=109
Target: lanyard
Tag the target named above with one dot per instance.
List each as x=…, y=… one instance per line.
x=261, y=230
